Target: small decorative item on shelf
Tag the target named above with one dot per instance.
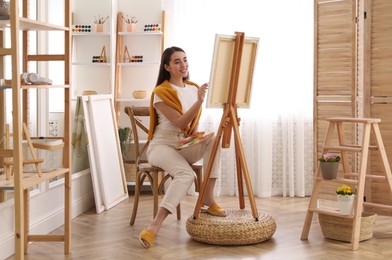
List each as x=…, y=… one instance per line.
x=329, y=164
x=34, y=79
x=81, y=28
x=126, y=57
x=153, y=27
x=99, y=22
x=136, y=58
x=139, y=94
x=101, y=58
x=345, y=195
x=132, y=59
x=131, y=23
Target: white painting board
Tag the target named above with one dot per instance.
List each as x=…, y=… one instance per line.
x=222, y=61
x=98, y=196
x=104, y=150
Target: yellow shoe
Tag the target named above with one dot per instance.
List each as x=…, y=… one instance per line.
x=147, y=238
x=216, y=210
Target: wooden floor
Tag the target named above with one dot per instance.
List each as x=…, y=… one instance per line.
x=109, y=236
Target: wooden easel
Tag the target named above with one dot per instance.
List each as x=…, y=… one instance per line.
x=126, y=57
x=228, y=123
x=102, y=57
x=357, y=180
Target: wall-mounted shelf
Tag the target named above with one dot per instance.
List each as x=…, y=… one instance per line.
x=94, y=34
x=125, y=64
x=140, y=33
x=103, y=64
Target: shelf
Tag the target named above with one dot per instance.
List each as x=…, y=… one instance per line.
x=90, y=64
x=28, y=24
x=131, y=64
x=43, y=86
x=31, y=179
x=95, y=34
x=140, y=33
x=330, y=213
x=339, y=180
x=133, y=100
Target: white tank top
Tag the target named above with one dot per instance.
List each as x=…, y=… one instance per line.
x=187, y=96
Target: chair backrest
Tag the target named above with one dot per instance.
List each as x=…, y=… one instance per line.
x=135, y=114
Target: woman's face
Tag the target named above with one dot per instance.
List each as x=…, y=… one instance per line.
x=178, y=65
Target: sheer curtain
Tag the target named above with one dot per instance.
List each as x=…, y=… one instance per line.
x=277, y=130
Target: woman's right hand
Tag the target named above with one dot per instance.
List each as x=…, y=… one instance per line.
x=201, y=92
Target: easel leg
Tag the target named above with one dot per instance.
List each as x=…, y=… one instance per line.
x=240, y=155
x=239, y=178
x=210, y=163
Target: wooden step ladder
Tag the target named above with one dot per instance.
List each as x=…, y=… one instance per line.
x=356, y=180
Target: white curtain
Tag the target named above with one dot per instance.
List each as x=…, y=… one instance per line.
x=276, y=132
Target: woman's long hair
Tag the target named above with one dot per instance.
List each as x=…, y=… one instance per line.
x=165, y=60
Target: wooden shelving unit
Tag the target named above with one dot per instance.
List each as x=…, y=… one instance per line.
x=21, y=182
x=129, y=75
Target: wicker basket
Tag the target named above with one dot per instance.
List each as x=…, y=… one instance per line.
x=237, y=228
x=339, y=228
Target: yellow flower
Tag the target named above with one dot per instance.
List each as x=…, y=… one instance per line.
x=345, y=190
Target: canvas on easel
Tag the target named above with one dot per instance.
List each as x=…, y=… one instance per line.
x=221, y=71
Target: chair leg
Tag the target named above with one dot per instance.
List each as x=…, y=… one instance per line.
x=155, y=190
x=198, y=179
x=138, y=185
x=178, y=211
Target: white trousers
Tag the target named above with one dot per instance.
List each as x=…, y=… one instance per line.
x=161, y=153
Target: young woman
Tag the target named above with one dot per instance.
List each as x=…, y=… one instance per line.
x=175, y=110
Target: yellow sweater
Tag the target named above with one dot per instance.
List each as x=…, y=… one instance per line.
x=169, y=95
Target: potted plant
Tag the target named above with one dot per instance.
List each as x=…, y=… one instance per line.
x=345, y=197
x=329, y=163
x=124, y=135
x=131, y=23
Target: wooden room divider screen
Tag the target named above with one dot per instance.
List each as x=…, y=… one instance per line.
x=353, y=61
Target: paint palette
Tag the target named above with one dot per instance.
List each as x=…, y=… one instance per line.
x=194, y=139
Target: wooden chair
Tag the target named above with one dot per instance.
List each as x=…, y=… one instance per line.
x=154, y=174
